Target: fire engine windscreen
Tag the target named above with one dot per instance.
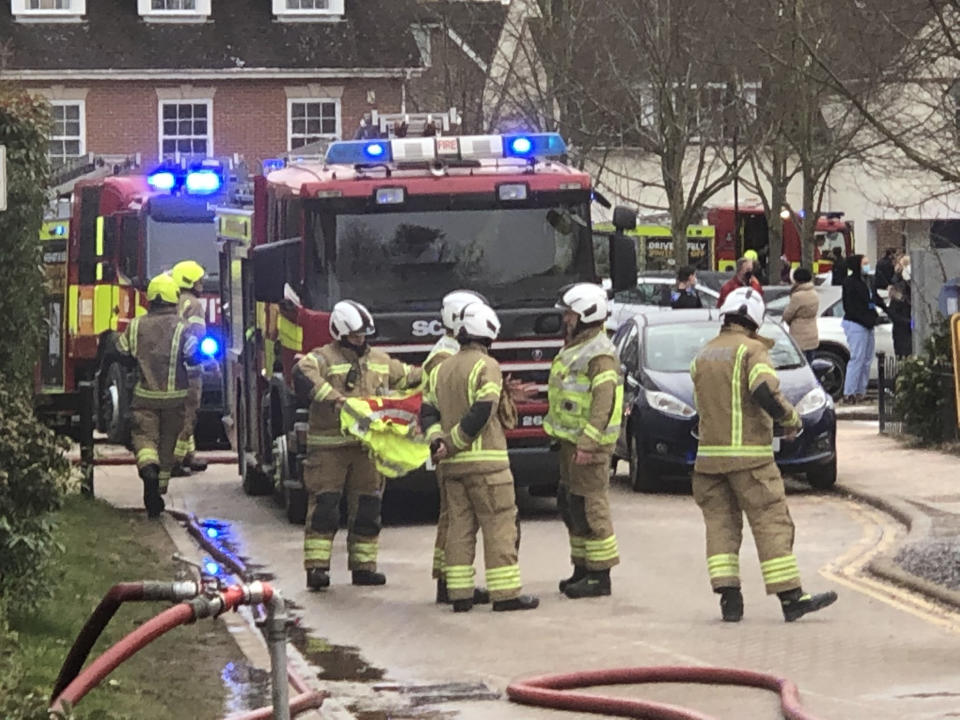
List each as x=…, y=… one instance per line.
x=411, y=260
x=182, y=235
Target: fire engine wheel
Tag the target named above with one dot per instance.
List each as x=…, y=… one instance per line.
x=114, y=405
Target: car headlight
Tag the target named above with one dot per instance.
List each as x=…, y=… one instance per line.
x=813, y=401
x=668, y=404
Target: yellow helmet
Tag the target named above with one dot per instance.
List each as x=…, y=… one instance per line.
x=751, y=255
x=164, y=288
x=188, y=273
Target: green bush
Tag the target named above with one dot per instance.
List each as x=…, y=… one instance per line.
x=925, y=399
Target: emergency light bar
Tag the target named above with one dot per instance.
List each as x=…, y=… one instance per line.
x=469, y=147
x=205, y=178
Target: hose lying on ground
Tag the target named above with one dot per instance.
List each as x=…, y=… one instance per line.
x=553, y=691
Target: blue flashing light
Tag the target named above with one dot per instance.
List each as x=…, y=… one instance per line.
x=209, y=347
x=162, y=180
x=359, y=152
x=213, y=533
x=203, y=182
x=273, y=164
x=534, y=145
x=211, y=567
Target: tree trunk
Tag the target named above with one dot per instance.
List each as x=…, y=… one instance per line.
x=778, y=196
x=681, y=253
x=809, y=226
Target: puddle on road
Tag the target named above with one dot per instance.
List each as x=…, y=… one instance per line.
x=334, y=662
x=248, y=688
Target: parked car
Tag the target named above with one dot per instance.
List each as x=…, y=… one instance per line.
x=833, y=341
x=651, y=295
x=659, y=430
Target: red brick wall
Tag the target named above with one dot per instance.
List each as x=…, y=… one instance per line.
x=249, y=117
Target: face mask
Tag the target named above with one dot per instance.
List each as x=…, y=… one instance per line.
x=865, y=270
x=747, y=275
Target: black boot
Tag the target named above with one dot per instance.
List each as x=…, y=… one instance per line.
x=151, y=491
x=180, y=471
x=731, y=604
x=595, y=583
x=368, y=577
x=481, y=596
x=796, y=604
x=463, y=605
x=442, y=597
x=579, y=572
x=194, y=463
x=524, y=602
x=318, y=579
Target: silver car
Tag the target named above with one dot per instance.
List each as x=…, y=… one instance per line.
x=652, y=294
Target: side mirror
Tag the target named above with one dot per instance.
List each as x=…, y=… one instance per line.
x=623, y=262
x=624, y=218
x=631, y=382
x=274, y=264
x=821, y=368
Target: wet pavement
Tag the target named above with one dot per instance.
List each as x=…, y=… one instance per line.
x=391, y=653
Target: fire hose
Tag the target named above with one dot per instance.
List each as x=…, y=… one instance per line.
x=553, y=691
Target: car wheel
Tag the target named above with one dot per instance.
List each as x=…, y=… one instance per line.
x=642, y=478
x=825, y=476
x=833, y=378
x=115, y=405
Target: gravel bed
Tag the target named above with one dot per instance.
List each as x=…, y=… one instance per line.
x=935, y=559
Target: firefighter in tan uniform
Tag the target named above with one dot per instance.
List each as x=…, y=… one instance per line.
x=159, y=344
x=337, y=463
x=586, y=403
x=189, y=277
x=738, y=400
x=467, y=439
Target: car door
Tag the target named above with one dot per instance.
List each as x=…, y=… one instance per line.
x=628, y=347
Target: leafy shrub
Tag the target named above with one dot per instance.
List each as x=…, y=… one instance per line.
x=925, y=399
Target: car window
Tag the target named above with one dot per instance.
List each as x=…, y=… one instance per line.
x=645, y=294
x=626, y=343
x=835, y=310
x=671, y=348
x=778, y=305
x=706, y=298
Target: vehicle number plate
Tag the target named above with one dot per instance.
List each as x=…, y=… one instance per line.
x=776, y=445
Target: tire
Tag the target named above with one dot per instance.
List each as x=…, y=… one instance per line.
x=296, y=501
x=642, y=478
x=115, y=405
x=834, y=379
x=825, y=476
x=256, y=482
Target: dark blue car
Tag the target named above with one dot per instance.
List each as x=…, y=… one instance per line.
x=659, y=432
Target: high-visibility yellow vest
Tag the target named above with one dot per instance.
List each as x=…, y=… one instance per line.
x=388, y=428
x=570, y=393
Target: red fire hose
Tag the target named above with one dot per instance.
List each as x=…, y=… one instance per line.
x=552, y=691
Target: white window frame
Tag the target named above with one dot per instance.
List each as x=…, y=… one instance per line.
x=82, y=104
x=23, y=12
x=185, y=101
x=290, y=103
x=333, y=12
x=199, y=13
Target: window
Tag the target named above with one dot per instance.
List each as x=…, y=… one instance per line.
x=67, y=131
x=173, y=4
x=307, y=9
x=186, y=128
x=308, y=4
x=312, y=120
x=174, y=10
x=49, y=9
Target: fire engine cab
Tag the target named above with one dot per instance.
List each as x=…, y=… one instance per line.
x=396, y=224
x=121, y=231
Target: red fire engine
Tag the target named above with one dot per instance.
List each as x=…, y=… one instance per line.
x=122, y=231
x=731, y=243
x=396, y=224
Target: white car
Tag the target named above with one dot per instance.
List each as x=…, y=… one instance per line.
x=833, y=341
x=652, y=294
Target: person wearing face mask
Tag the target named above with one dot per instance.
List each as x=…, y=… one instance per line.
x=337, y=463
x=900, y=309
x=860, y=303
x=744, y=277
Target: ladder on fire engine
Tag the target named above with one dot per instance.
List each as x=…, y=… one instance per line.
x=391, y=125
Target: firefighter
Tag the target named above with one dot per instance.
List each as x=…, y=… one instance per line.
x=467, y=439
x=738, y=399
x=585, y=394
x=446, y=347
x=189, y=278
x=165, y=353
x=338, y=463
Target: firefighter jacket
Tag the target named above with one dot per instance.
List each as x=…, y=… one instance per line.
x=585, y=392
x=388, y=428
x=460, y=406
x=163, y=349
x=737, y=394
x=329, y=373
x=191, y=313
x=446, y=347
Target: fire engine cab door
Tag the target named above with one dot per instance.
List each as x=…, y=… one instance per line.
x=53, y=238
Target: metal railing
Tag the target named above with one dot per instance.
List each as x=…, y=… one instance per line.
x=888, y=368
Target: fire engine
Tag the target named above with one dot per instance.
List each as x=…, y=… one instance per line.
x=121, y=231
x=831, y=231
x=396, y=224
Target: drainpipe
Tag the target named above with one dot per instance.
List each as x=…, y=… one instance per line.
x=277, y=643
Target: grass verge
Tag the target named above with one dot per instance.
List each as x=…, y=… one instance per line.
x=178, y=675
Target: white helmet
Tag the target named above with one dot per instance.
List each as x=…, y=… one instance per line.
x=453, y=303
x=587, y=300
x=745, y=302
x=350, y=317
x=477, y=320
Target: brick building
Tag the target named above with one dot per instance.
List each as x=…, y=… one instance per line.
x=167, y=78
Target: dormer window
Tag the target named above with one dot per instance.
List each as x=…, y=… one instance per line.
x=308, y=9
x=174, y=10
x=49, y=10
